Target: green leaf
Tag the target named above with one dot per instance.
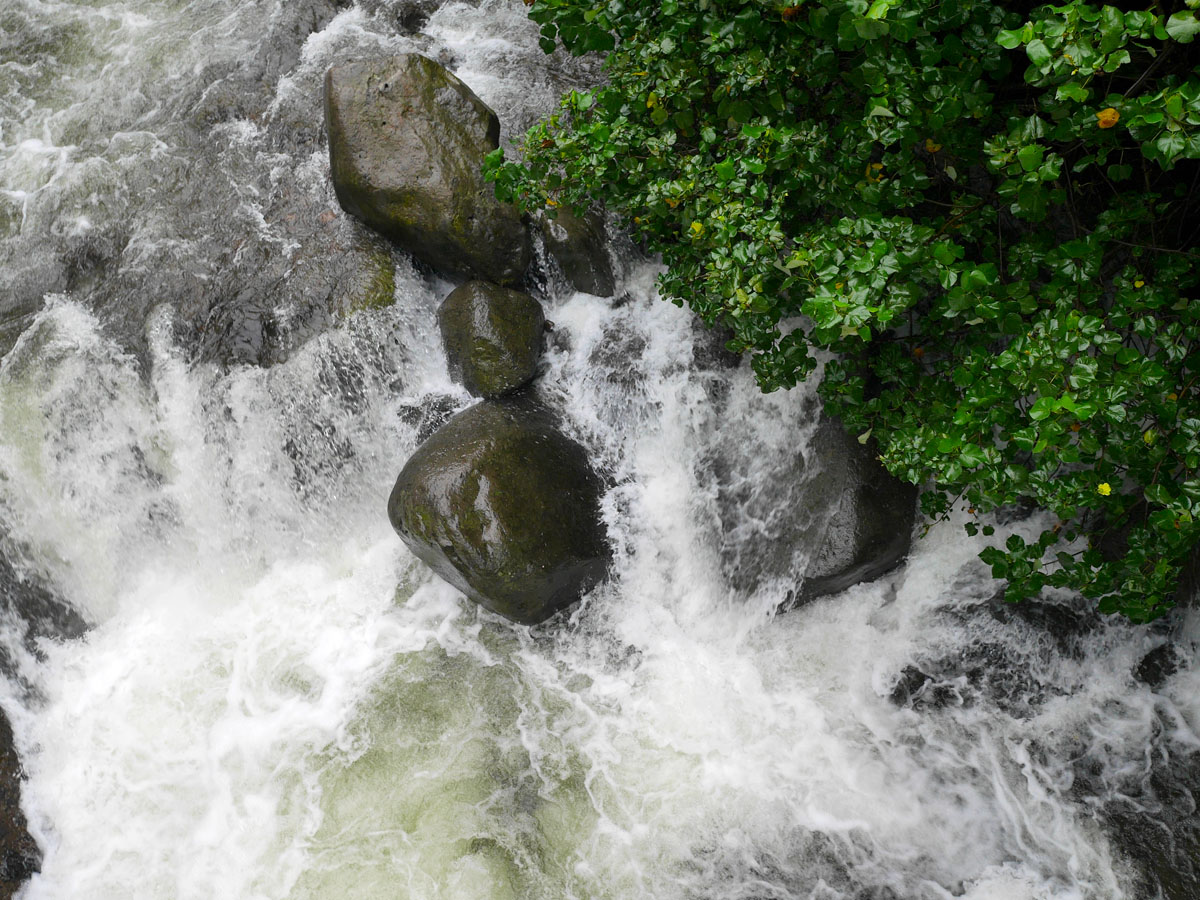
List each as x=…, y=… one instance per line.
x=1009, y=40
x=1072, y=90
x=1038, y=52
x=1030, y=156
x=1183, y=26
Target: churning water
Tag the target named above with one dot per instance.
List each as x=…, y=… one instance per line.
x=275, y=700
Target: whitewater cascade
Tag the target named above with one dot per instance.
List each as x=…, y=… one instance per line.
x=275, y=700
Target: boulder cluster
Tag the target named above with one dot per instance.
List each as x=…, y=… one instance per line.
x=499, y=501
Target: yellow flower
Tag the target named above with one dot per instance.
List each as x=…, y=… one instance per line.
x=652, y=101
x=551, y=202
x=874, y=171
x=1108, y=117
x=932, y=147
x=697, y=228
x=1104, y=489
x=1139, y=283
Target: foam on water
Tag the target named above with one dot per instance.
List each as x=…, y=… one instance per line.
x=276, y=700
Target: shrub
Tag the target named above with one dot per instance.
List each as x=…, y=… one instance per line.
x=983, y=214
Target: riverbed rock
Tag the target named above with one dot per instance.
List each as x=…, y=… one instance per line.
x=19, y=854
x=493, y=337
x=816, y=515
x=577, y=244
x=505, y=507
x=406, y=142
x=868, y=529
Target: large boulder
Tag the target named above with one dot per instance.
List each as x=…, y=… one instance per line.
x=577, y=244
x=493, y=337
x=505, y=507
x=406, y=143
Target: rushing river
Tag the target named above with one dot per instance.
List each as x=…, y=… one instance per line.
x=275, y=700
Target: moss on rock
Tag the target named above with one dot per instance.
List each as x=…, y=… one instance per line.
x=501, y=504
x=493, y=337
x=406, y=144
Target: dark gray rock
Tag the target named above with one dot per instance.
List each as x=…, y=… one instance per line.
x=19, y=854
x=816, y=518
x=493, y=337
x=505, y=507
x=406, y=143
x=577, y=244
x=871, y=515
x=1159, y=664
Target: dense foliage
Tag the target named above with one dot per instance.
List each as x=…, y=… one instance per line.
x=986, y=211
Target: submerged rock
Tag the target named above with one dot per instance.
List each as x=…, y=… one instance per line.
x=577, y=244
x=505, y=507
x=871, y=515
x=406, y=143
x=493, y=337
x=19, y=854
x=810, y=515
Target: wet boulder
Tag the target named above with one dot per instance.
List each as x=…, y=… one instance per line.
x=810, y=512
x=19, y=854
x=871, y=513
x=493, y=337
x=577, y=244
x=505, y=507
x=406, y=143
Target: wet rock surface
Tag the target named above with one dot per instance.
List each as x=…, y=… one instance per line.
x=199, y=202
x=20, y=857
x=869, y=529
x=578, y=245
x=29, y=612
x=492, y=336
x=406, y=142
x=833, y=518
x=505, y=507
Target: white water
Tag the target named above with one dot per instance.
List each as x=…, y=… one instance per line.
x=277, y=701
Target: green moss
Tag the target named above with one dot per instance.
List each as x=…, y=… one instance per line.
x=381, y=291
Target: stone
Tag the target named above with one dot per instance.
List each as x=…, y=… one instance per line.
x=868, y=530
x=493, y=337
x=407, y=140
x=19, y=854
x=505, y=507
x=577, y=244
x=830, y=517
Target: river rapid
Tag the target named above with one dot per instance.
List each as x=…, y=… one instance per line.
x=274, y=699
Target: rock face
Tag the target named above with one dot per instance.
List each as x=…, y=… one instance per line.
x=578, y=246
x=19, y=853
x=505, y=507
x=493, y=337
x=869, y=529
x=406, y=143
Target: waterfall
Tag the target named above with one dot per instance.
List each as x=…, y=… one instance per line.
x=199, y=427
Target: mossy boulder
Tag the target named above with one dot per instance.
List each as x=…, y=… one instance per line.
x=577, y=244
x=493, y=337
x=505, y=507
x=406, y=143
